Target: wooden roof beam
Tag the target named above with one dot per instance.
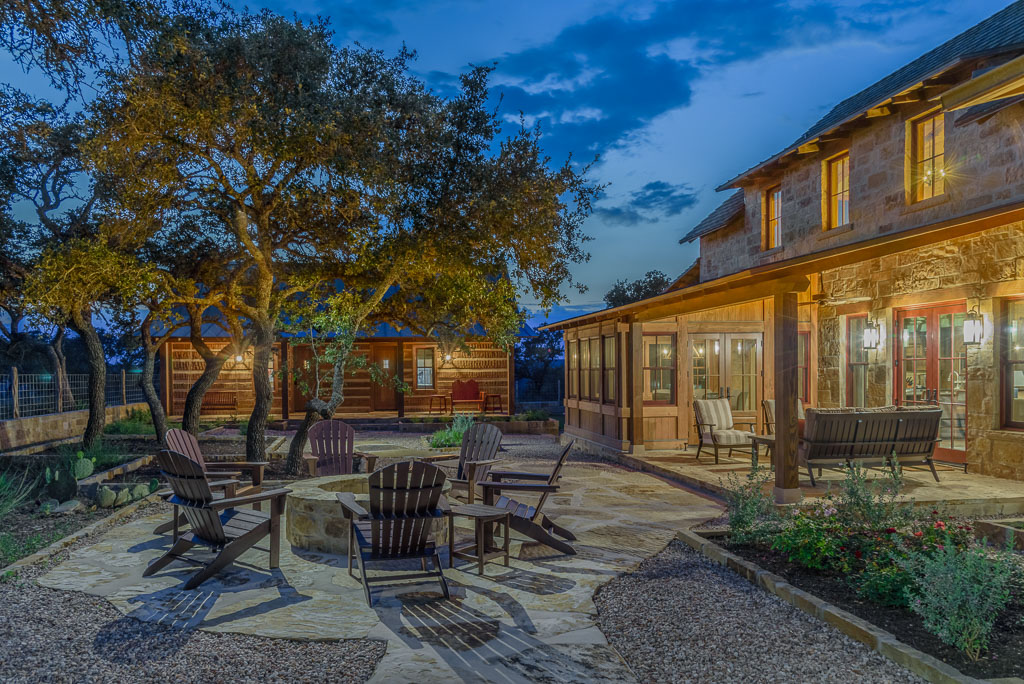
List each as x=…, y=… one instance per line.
x=808, y=148
x=876, y=112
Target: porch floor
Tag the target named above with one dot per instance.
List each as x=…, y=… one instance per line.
x=957, y=492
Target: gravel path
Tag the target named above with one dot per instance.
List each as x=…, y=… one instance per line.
x=60, y=636
x=681, y=618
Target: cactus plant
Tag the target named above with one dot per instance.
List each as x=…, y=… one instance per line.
x=105, y=497
x=61, y=485
x=123, y=497
x=81, y=468
x=140, y=491
x=154, y=485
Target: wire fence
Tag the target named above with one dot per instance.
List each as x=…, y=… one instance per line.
x=23, y=395
x=549, y=391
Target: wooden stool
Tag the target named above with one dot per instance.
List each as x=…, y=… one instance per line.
x=482, y=548
x=442, y=399
x=490, y=400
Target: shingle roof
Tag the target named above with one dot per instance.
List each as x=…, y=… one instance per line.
x=720, y=217
x=1003, y=31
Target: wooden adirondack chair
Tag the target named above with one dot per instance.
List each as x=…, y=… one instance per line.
x=186, y=444
x=530, y=520
x=405, y=500
x=333, y=445
x=480, y=444
x=218, y=523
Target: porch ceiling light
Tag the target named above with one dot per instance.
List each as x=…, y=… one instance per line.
x=872, y=335
x=974, y=327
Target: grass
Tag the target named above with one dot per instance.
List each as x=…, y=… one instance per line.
x=13, y=548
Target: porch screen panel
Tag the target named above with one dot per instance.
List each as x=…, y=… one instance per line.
x=584, y=369
x=608, y=389
x=1013, y=365
x=705, y=358
x=742, y=374
x=856, y=362
x=595, y=368
x=659, y=369
x=573, y=353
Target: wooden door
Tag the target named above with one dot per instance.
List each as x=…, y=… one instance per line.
x=384, y=394
x=931, y=370
x=727, y=365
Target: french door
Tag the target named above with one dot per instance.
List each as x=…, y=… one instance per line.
x=728, y=365
x=931, y=370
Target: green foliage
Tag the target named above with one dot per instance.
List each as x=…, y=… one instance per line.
x=103, y=456
x=137, y=422
x=884, y=581
x=959, y=594
x=14, y=491
x=870, y=505
x=815, y=539
x=124, y=495
x=82, y=467
x=534, y=414
x=13, y=548
x=61, y=484
x=451, y=436
x=752, y=514
x=105, y=497
x=626, y=292
x=140, y=491
x=154, y=484
x=243, y=427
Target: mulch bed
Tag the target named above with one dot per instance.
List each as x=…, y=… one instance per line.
x=26, y=531
x=1004, y=658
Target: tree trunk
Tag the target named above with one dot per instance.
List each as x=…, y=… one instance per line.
x=316, y=409
x=298, y=445
x=156, y=407
x=255, y=436
x=194, y=398
x=82, y=324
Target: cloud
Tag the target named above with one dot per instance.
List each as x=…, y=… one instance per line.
x=659, y=198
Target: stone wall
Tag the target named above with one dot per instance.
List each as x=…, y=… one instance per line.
x=979, y=270
x=37, y=431
x=984, y=163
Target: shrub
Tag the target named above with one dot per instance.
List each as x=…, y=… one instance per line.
x=885, y=581
x=815, y=539
x=103, y=456
x=451, y=436
x=137, y=422
x=752, y=515
x=536, y=414
x=14, y=491
x=959, y=594
x=243, y=427
x=871, y=505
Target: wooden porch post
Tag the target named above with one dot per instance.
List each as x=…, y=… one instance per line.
x=636, y=386
x=400, y=374
x=787, y=474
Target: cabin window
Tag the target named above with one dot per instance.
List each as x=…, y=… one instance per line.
x=584, y=369
x=856, y=362
x=574, y=364
x=803, y=353
x=595, y=368
x=772, y=217
x=608, y=369
x=839, y=190
x=1013, y=364
x=659, y=369
x=928, y=155
x=424, y=368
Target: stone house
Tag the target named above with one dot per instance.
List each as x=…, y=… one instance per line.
x=877, y=260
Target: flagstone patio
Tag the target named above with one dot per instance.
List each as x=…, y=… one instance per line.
x=533, y=621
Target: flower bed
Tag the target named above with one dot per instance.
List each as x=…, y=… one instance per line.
x=928, y=581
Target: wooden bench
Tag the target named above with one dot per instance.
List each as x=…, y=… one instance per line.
x=467, y=392
x=870, y=437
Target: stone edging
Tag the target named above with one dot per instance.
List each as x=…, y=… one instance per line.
x=89, y=529
x=918, y=662
x=126, y=467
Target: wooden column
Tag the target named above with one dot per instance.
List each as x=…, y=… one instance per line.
x=636, y=386
x=14, y=392
x=400, y=374
x=787, y=474
x=511, y=384
x=124, y=389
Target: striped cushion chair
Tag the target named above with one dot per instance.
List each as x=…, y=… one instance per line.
x=716, y=427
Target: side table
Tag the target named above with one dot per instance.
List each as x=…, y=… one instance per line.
x=441, y=399
x=768, y=441
x=490, y=400
x=482, y=548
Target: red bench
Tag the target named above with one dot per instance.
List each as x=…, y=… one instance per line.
x=467, y=392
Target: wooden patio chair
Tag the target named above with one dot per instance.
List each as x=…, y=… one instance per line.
x=530, y=520
x=716, y=427
x=467, y=392
x=405, y=500
x=220, y=524
x=768, y=409
x=480, y=444
x=186, y=444
x=333, y=445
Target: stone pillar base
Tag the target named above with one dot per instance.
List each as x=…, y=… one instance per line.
x=787, y=496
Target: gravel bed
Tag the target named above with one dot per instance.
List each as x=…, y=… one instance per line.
x=61, y=636
x=682, y=618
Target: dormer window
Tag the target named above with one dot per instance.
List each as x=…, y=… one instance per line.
x=772, y=217
x=928, y=157
x=838, y=188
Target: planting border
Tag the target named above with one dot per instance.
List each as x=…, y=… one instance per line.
x=918, y=662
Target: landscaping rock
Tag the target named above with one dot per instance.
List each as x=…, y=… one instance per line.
x=69, y=507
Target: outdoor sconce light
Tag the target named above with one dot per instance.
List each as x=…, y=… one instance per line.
x=238, y=358
x=974, y=327
x=872, y=335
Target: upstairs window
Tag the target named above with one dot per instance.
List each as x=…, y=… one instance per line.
x=928, y=156
x=839, y=191
x=772, y=217
x=425, y=368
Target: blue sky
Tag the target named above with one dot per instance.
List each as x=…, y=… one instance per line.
x=675, y=96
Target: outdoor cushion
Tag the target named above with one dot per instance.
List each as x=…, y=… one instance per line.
x=715, y=411
x=732, y=437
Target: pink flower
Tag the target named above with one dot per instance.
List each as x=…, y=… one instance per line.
x=857, y=554
x=919, y=534
x=940, y=547
x=890, y=530
x=939, y=525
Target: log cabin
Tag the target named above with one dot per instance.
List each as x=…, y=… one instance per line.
x=877, y=260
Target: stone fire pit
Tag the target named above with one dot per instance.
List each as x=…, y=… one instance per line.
x=313, y=517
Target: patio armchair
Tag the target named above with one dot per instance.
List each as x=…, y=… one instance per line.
x=768, y=408
x=480, y=444
x=717, y=428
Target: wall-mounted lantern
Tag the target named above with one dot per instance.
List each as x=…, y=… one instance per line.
x=872, y=335
x=974, y=327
